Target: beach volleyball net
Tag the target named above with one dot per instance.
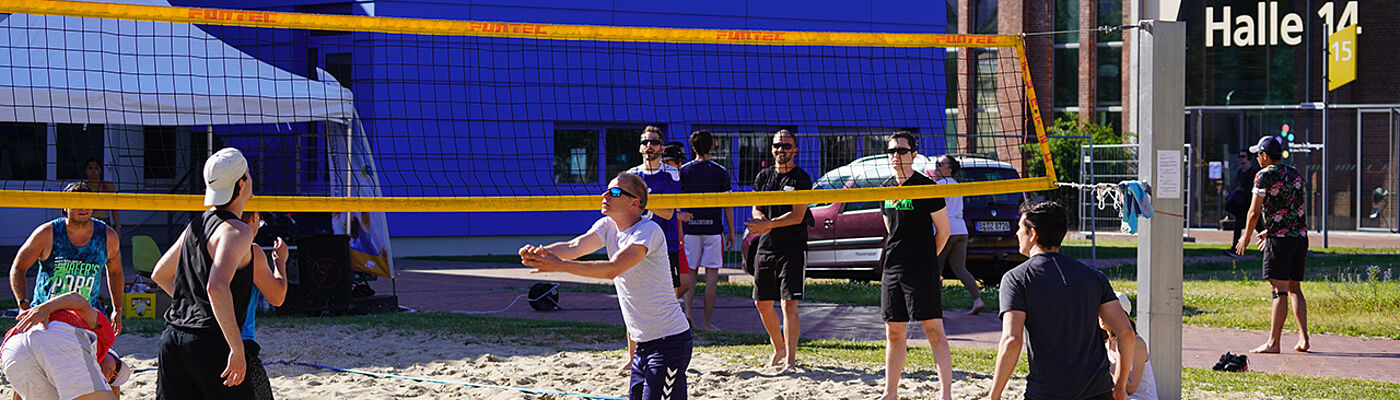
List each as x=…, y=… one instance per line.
x=344, y=113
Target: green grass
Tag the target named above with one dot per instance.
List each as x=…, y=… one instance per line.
x=1218, y=294
x=829, y=291
x=1234, y=295
x=1128, y=249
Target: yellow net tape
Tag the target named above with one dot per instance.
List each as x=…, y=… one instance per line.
x=178, y=202
x=268, y=19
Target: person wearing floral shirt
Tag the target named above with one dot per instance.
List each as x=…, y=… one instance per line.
x=1279, y=202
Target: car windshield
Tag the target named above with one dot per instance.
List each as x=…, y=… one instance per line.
x=979, y=174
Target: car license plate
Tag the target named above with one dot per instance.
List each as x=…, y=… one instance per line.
x=994, y=226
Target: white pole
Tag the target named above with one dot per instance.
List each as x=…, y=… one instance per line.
x=1161, y=95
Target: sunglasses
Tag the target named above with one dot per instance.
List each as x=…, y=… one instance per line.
x=618, y=192
x=783, y=146
x=650, y=142
x=899, y=150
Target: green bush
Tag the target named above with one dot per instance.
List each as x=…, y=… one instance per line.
x=1065, y=137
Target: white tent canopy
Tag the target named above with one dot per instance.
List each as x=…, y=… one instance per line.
x=99, y=71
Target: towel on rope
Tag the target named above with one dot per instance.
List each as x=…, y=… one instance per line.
x=1136, y=202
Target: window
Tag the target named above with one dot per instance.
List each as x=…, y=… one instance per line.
x=339, y=65
x=76, y=144
x=838, y=150
x=743, y=150
x=622, y=149
x=22, y=153
x=160, y=152
x=856, y=142
x=575, y=156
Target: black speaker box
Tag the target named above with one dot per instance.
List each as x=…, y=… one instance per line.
x=321, y=280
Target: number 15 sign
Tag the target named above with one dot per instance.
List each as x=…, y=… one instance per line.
x=1341, y=60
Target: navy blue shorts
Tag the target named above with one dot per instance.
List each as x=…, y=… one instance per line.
x=658, y=368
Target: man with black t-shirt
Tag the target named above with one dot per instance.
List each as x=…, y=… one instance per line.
x=781, y=259
x=1058, y=302
x=911, y=285
x=201, y=351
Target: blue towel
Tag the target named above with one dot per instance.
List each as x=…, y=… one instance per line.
x=1136, y=202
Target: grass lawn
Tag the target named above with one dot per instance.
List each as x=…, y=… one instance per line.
x=1347, y=295
x=835, y=291
x=1218, y=294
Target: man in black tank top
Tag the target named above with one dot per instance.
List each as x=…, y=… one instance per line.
x=201, y=350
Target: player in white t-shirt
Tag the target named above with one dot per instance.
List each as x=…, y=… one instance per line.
x=638, y=266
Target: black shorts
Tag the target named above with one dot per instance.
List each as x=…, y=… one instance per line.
x=914, y=294
x=675, y=258
x=257, y=374
x=1284, y=257
x=779, y=276
x=190, y=363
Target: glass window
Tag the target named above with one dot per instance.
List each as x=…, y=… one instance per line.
x=1110, y=90
x=743, y=150
x=838, y=150
x=22, y=153
x=751, y=155
x=622, y=149
x=340, y=66
x=76, y=144
x=1066, y=78
x=160, y=152
x=575, y=156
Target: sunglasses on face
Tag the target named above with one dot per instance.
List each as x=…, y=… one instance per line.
x=651, y=142
x=899, y=150
x=618, y=192
x=783, y=146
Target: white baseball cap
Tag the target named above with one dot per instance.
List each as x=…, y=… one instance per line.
x=123, y=369
x=221, y=174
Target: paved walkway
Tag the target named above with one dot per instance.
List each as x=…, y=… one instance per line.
x=475, y=288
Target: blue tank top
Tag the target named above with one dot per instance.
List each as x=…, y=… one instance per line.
x=72, y=268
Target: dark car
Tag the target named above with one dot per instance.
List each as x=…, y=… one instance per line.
x=847, y=240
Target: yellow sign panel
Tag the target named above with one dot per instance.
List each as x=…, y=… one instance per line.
x=1341, y=57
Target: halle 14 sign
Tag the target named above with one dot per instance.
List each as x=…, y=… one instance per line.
x=1267, y=27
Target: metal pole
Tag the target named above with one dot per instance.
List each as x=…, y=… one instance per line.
x=1159, y=263
x=1360, y=191
x=1326, y=168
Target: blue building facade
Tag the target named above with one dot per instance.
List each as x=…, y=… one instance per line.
x=475, y=116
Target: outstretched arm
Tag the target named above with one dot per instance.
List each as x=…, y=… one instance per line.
x=572, y=249
x=544, y=261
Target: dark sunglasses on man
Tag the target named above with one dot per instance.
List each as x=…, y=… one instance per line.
x=618, y=192
x=651, y=142
x=899, y=150
x=782, y=146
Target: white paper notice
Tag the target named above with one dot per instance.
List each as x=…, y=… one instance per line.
x=1168, y=184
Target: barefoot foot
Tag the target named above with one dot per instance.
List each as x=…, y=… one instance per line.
x=1302, y=346
x=977, y=306
x=777, y=359
x=1266, y=348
